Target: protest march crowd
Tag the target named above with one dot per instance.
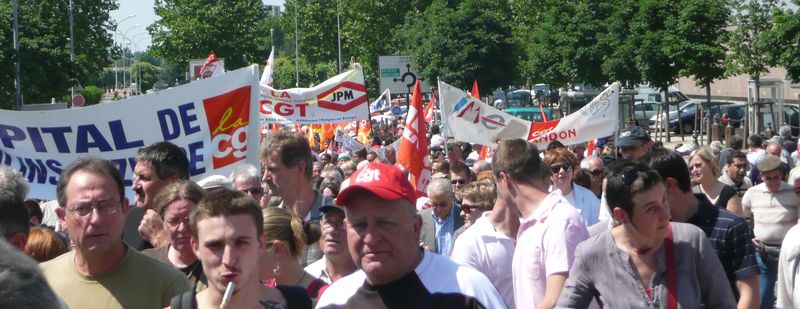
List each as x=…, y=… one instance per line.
x=412, y=215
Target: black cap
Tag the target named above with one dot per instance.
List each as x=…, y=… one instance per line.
x=629, y=136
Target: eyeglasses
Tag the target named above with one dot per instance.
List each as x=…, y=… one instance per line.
x=458, y=181
x=555, y=168
x=596, y=173
x=107, y=207
x=253, y=191
x=175, y=222
x=632, y=174
x=467, y=208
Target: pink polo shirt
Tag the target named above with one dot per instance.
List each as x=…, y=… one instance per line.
x=546, y=243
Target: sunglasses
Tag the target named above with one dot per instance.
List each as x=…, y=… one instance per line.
x=467, y=208
x=458, y=181
x=632, y=174
x=596, y=173
x=555, y=168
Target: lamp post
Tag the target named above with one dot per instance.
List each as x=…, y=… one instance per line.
x=17, y=79
x=296, y=46
x=116, y=68
x=338, y=38
x=71, y=48
x=125, y=57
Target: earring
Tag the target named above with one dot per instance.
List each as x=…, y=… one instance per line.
x=277, y=270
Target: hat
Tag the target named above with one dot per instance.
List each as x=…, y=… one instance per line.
x=769, y=163
x=215, y=181
x=343, y=156
x=629, y=136
x=794, y=174
x=330, y=206
x=385, y=181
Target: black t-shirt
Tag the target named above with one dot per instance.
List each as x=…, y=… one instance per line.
x=130, y=233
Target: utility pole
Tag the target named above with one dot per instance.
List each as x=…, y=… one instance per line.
x=338, y=38
x=72, y=49
x=17, y=78
x=296, y=46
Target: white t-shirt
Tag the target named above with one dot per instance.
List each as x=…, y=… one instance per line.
x=436, y=280
x=490, y=252
x=319, y=270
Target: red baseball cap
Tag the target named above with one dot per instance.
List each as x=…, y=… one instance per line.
x=385, y=181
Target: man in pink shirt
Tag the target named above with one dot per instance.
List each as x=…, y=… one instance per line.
x=550, y=229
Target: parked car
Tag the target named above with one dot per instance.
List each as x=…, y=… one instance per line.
x=519, y=98
x=533, y=114
x=687, y=110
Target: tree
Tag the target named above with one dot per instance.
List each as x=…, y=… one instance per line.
x=46, y=69
x=784, y=42
x=145, y=74
x=469, y=41
x=191, y=29
x=620, y=43
x=750, y=52
x=92, y=94
x=550, y=47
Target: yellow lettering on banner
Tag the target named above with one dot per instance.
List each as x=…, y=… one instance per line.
x=223, y=126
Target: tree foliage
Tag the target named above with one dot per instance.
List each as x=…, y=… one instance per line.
x=145, y=74
x=46, y=69
x=784, y=42
x=701, y=29
x=750, y=54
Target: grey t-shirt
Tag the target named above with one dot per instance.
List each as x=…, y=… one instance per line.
x=603, y=271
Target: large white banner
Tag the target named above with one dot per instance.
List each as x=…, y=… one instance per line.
x=470, y=120
x=214, y=120
x=339, y=99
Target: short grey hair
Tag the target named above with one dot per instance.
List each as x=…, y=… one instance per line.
x=588, y=160
x=13, y=181
x=332, y=172
x=440, y=186
x=785, y=131
x=246, y=170
x=22, y=284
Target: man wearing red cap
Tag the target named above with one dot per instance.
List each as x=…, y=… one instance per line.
x=383, y=234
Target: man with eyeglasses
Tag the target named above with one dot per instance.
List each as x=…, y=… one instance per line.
x=101, y=271
x=594, y=167
x=634, y=142
x=735, y=174
x=728, y=233
x=441, y=220
x=246, y=178
x=460, y=175
x=773, y=206
x=336, y=262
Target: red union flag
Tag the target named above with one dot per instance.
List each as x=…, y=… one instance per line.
x=228, y=115
x=429, y=110
x=413, y=152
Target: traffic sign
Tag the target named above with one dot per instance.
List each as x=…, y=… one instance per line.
x=78, y=100
x=396, y=110
x=399, y=75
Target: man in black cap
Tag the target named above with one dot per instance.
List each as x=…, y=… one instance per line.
x=634, y=142
x=773, y=206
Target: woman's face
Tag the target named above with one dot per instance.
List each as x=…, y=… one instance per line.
x=469, y=212
x=176, y=220
x=651, y=213
x=561, y=174
x=699, y=169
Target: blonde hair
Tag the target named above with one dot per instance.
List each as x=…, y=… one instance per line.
x=44, y=245
x=708, y=157
x=483, y=193
x=283, y=225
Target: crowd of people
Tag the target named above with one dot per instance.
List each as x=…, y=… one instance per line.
x=629, y=224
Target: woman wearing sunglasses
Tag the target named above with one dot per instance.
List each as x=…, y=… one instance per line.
x=563, y=166
x=645, y=261
x=476, y=197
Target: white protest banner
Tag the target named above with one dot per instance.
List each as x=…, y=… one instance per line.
x=213, y=120
x=348, y=142
x=468, y=119
x=599, y=118
x=339, y=99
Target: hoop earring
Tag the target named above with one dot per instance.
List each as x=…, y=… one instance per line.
x=277, y=270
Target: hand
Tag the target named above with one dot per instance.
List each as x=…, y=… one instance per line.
x=152, y=229
x=756, y=242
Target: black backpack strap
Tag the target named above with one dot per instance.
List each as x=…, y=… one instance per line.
x=296, y=296
x=183, y=301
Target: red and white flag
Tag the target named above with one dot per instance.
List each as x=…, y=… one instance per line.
x=212, y=67
x=413, y=152
x=266, y=78
x=429, y=110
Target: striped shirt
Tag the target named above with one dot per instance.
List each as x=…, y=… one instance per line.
x=774, y=213
x=730, y=237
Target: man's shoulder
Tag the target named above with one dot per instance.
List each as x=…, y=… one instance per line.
x=59, y=264
x=340, y=291
x=468, y=282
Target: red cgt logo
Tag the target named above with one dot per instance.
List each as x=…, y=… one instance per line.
x=542, y=128
x=228, y=115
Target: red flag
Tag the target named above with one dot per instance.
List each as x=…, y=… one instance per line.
x=429, y=114
x=475, y=93
x=212, y=67
x=590, y=147
x=413, y=152
x=485, y=153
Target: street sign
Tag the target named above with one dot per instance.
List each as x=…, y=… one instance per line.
x=398, y=74
x=78, y=100
x=396, y=110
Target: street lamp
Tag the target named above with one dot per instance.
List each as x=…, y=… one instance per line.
x=17, y=79
x=296, y=46
x=116, y=68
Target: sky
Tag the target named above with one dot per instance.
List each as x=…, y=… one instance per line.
x=135, y=27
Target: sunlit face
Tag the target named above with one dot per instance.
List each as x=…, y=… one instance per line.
x=176, y=221
x=334, y=237
x=249, y=185
x=229, y=249
x=699, y=169
x=737, y=170
x=278, y=177
x=651, y=213
x=146, y=184
x=470, y=211
x=99, y=231
x=459, y=180
x=383, y=237
x=441, y=204
x=561, y=174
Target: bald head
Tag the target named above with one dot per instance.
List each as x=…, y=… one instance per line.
x=591, y=163
x=774, y=149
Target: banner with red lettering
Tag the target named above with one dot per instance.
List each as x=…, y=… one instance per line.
x=341, y=98
x=470, y=120
x=208, y=118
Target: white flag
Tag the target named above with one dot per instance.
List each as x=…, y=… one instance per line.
x=266, y=78
x=381, y=104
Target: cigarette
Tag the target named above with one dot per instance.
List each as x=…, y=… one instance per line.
x=227, y=297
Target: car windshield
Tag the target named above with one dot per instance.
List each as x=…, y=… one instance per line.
x=530, y=116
